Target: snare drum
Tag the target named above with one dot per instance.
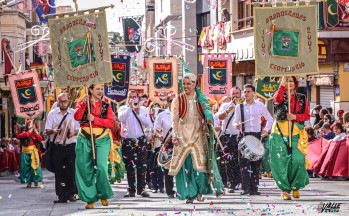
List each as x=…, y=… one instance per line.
x=165, y=153
x=251, y=148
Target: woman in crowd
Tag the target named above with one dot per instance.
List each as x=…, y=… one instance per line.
x=92, y=179
x=311, y=133
x=288, y=162
x=333, y=161
x=30, y=168
x=193, y=162
x=339, y=131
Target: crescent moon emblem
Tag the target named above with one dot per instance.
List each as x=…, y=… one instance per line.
x=27, y=92
x=164, y=77
x=330, y=10
x=119, y=76
x=218, y=74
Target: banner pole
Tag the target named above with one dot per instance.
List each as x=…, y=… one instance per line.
x=91, y=133
x=289, y=112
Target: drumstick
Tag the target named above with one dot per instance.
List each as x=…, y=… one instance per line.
x=244, y=122
x=218, y=140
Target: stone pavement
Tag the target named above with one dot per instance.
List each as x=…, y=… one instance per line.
x=16, y=199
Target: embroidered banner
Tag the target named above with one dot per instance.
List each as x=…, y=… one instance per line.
x=80, y=50
x=163, y=78
x=285, y=40
x=118, y=89
x=266, y=87
x=26, y=94
x=337, y=13
x=132, y=32
x=217, y=78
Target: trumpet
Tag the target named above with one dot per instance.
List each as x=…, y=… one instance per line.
x=236, y=102
x=154, y=139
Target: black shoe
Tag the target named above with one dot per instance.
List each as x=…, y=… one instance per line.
x=162, y=191
x=154, y=191
x=244, y=192
x=144, y=194
x=60, y=201
x=130, y=195
x=72, y=198
x=255, y=193
x=231, y=190
x=150, y=186
x=171, y=196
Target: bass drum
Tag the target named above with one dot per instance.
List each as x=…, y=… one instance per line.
x=165, y=153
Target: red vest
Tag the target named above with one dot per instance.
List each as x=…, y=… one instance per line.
x=183, y=106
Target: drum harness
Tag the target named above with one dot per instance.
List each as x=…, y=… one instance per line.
x=222, y=134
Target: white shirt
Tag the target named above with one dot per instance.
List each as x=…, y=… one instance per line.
x=130, y=127
x=163, y=123
x=339, y=136
x=230, y=130
x=216, y=121
x=253, y=111
x=55, y=117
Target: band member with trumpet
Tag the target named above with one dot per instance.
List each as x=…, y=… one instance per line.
x=134, y=119
x=92, y=179
x=193, y=162
x=30, y=168
x=288, y=162
x=248, y=119
x=229, y=140
x=163, y=131
x=62, y=129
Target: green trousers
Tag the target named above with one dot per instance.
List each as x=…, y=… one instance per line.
x=118, y=169
x=190, y=183
x=265, y=165
x=26, y=170
x=92, y=183
x=289, y=171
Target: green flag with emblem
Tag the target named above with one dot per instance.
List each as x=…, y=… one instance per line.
x=285, y=43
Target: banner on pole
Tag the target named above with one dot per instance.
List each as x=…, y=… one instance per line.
x=217, y=78
x=118, y=89
x=285, y=40
x=44, y=7
x=132, y=32
x=80, y=50
x=26, y=94
x=163, y=78
x=266, y=87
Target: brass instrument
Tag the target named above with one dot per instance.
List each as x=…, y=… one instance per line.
x=239, y=101
x=236, y=102
x=63, y=134
x=155, y=137
x=73, y=94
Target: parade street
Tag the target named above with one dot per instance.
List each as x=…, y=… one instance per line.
x=16, y=201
